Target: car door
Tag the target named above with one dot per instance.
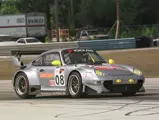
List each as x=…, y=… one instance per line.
x=48, y=73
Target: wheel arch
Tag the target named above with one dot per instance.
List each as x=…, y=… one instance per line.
x=31, y=75
x=73, y=72
x=15, y=76
x=67, y=89
x=28, y=93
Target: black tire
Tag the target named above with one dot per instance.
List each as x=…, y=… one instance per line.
x=71, y=90
x=129, y=94
x=21, y=77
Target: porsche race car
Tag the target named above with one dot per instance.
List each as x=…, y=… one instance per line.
x=75, y=72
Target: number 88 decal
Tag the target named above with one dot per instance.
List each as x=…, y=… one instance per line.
x=59, y=80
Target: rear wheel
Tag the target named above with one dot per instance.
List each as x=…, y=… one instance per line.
x=129, y=94
x=75, y=85
x=22, y=86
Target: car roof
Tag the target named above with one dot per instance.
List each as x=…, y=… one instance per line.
x=56, y=50
x=30, y=38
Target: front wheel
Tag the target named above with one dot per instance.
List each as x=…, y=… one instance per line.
x=75, y=85
x=22, y=86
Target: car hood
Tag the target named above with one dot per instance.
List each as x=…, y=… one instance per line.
x=112, y=70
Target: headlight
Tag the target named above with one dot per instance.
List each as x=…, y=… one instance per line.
x=119, y=81
x=98, y=73
x=137, y=72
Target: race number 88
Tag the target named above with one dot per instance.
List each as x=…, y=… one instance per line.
x=59, y=80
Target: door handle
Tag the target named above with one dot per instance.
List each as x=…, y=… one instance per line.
x=42, y=70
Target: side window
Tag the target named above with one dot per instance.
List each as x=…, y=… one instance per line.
x=21, y=41
x=50, y=57
x=37, y=62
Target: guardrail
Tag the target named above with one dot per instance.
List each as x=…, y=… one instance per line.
x=111, y=44
x=127, y=43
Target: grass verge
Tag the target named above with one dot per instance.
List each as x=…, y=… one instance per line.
x=145, y=60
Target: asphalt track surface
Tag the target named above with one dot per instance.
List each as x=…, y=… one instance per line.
x=143, y=106
x=151, y=86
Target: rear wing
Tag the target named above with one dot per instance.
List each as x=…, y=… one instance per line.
x=14, y=52
x=16, y=55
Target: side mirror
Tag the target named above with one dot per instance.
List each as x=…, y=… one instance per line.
x=56, y=63
x=111, y=61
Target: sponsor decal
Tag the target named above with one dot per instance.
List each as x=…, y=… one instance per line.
x=20, y=20
x=82, y=50
x=35, y=21
x=61, y=71
x=59, y=77
x=52, y=93
x=87, y=75
x=70, y=51
x=111, y=67
x=84, y=75
x=78, y=50
x=51, y=82
x=46, y=75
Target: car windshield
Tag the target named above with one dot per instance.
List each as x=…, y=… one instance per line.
x=81, y=56
x=32, y=40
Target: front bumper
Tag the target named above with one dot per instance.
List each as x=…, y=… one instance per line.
x=121, y=88
x=108, y=86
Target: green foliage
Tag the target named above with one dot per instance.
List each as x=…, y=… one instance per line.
x=95, y=13
x=155, y=32
x=141, y=31
x=84, y=16
x=26, y=6
x=147, y=32
x=129, y=9
x=64, y=13
x=9, y=7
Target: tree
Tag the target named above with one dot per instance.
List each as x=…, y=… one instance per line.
x=64, y=13
x=26, y=6
x=129, y=10
x=80, y=13
x=85, y=15
x=149, y=12
x=9, y=7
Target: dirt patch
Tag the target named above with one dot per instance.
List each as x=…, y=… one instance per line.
x=145, y=60
x=7, y=69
